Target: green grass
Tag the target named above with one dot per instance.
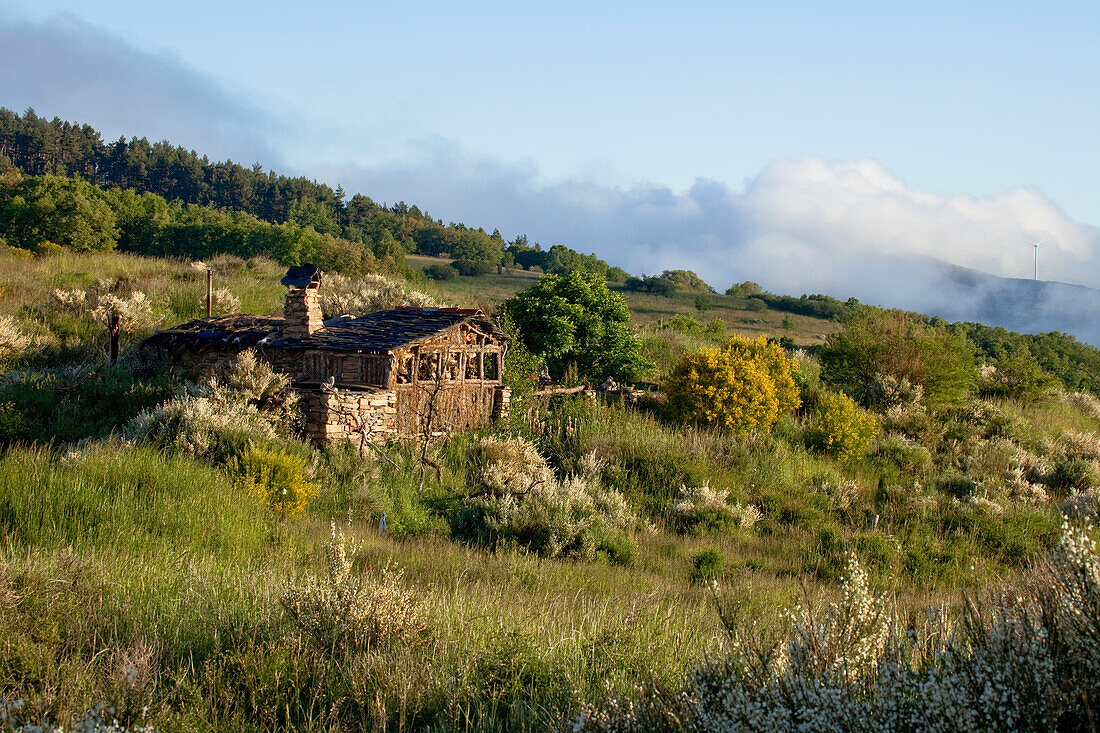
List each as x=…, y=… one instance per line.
x=117, y=557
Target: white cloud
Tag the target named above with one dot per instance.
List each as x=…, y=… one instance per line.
x=847, y=228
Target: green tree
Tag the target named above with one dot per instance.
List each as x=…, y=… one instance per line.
x=68, y=211
x=577, y=320
x=875, y=342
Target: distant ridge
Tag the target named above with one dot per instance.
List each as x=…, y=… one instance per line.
x=1018, y=304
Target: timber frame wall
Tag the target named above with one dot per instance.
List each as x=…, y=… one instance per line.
x=452, y=381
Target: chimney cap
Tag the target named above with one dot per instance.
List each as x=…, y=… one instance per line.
x=302, y=276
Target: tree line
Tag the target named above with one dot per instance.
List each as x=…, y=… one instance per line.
x=244, y=199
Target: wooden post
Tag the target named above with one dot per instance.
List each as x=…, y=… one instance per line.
x=209, y=292
x=114, y=325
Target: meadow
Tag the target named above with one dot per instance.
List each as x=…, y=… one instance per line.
x=146, y=580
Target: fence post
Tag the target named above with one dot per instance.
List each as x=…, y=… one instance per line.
x=114, y=325
x=209, y=292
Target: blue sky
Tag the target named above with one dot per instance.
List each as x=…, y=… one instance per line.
x=745, y=139
x=958, y=98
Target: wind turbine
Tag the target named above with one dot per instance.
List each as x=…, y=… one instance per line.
x=1035, y=276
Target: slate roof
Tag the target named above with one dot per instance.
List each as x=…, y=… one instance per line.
x=377, y=332
x=236, y=331
x=392, y=329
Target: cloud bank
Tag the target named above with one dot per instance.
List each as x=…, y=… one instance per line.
x=845, y=228
x=76, y=71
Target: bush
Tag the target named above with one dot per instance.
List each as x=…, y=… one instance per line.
x=755, y=304
x=875, y=342
x=839, y=426
x=1017, y=375
x=746, y=385
x=706, y=565
x=12, y=341
x=344, y=613
x=221, y=420
x=369, y=294
x=501, y=466
x=702, y=509
x=472, y=268
x=908, y=456
x=1027, y=659
x=278, y=480
x=703, y=302
x=516, y=499
x=440, y=272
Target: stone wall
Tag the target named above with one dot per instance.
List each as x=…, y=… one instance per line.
x=341, y=414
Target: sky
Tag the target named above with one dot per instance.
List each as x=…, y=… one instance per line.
x=814, y=147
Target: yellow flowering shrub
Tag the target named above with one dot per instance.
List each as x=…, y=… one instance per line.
x=277, y=479
x=840, y=426
x=747, y=384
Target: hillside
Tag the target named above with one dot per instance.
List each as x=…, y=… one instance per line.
x=148, y=563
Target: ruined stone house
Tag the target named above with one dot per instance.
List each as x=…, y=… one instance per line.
x=391, y=374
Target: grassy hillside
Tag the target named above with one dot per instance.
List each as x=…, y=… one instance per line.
x=143, y=566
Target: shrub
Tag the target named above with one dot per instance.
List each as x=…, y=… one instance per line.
x=440, y=272
x=755, y=304
x=839, y=426
x=702, y=509
x=472, y=268
x=12, y=341
x=906, y=455
x=220, y=420
x=1027, y=659
x=706, y=565
x=372, y=293
x=222, y=302
x=1083, y=505
x=279, y=480
x=343, y=612
x=47, y=249
x=505, y=466
x=875, y=342
x=716, y=329
x=574, y=517
x=1017, y=375
x=885, y=392
x=681, y=323
x=703, y=302
x=743, y=386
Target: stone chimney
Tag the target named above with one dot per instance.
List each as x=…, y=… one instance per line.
x=302, y=309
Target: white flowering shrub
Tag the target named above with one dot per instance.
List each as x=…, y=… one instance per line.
x=134, y=311
x=516, y=499
x=1026, y=659
x=12, y=341
x=1083, y=504
x=222, y=301
x=345, y=612
x=884, y=391
x=701, y=509
x=1086, y=403
x=342, y=295
x=214, y=418
x=499, y=465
